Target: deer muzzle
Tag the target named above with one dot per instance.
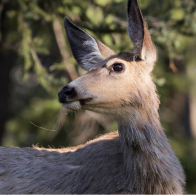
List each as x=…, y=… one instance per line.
x=70, y=99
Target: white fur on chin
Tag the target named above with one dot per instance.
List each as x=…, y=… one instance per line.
x=72, y=105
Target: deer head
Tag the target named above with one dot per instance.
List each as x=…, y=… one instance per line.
x=114, y=83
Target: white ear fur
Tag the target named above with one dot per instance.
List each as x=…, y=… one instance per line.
x=93, y=58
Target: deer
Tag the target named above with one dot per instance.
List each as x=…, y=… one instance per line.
x=137, y=159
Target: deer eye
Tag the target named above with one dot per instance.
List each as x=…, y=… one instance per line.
x=117, y=67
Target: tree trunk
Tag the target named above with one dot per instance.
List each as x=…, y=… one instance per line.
x=7, y=61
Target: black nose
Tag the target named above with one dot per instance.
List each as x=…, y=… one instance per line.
x=65, y=93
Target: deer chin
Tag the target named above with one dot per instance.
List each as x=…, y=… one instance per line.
x=73, y=106
x=76, y=104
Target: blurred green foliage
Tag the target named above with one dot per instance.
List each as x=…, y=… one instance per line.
x=45, y=64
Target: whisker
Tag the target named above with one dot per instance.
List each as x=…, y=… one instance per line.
x=50, y=129
x=45, y=128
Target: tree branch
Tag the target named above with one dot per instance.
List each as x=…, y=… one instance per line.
x=61, y=44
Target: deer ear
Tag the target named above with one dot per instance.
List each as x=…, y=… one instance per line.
x=87, y=51
x=138, y=32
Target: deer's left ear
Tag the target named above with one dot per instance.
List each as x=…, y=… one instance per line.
x=138, y=32
x=87, y=51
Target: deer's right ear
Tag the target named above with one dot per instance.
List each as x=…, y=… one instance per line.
x=87, y=51
x=138, y=32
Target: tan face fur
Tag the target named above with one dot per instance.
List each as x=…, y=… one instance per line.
x=108, y=90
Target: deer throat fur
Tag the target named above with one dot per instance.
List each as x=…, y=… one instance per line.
x=150, y=163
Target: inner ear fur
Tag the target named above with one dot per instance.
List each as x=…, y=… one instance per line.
x=139, y=34
x=87, y=51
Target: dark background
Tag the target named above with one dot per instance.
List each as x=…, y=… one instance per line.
x=36, y=61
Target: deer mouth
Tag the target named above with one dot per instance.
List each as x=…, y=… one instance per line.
x=76, y=104
x=84, y=101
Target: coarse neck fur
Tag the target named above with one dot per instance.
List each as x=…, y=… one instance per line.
x=149, y=160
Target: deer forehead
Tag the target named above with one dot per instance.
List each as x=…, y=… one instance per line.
x=100, y=81
x=98, y=75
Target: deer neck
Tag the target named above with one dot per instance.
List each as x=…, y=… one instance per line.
x=148, y=157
